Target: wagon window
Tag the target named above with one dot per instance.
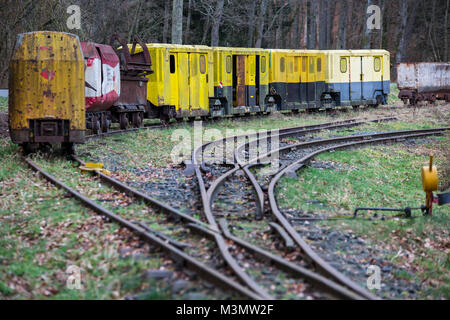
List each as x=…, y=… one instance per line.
x=282, y=65
x=228, y=66
x=311, y=65
x=172, y=63
x=343, y=65
x=296, y=64
x=263, y=64
x=202, y=64
x=319, y=65
x=377, y=64
x=304, y=64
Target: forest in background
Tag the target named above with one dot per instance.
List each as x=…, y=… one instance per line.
x=411, y=30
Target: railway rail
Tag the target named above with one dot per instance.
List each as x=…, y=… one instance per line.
x=176, y=249
x=208, y=194
x=233, y=277
x=298, y=161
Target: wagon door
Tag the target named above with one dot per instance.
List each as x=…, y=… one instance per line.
x=240, y=81
x=367, y=78
x=303, y=79
x=292, y=80
x=251, y=81
x=355, y=78
x=198, y=86
x=183, y=80
x=311, y=80
x=378, y=73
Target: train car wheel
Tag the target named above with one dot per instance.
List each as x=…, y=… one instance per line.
x=123, y=119
x=104, y=123
x=29, y=148
x=95, y=125
x=68, y=148
x=136, y=119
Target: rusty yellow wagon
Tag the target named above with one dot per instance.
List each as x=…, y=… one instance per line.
x=46, y=90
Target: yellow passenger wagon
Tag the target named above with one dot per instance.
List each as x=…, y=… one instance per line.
x=241, y=80
x=181, y=83
x=46, y=90
x=297, y=78
x=358, y=77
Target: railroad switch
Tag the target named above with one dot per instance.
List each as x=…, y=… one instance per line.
x=430, y=183
x=91, y=166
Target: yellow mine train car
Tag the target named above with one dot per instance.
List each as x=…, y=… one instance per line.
x=297, y=78
x=46, y=89
x=182, y=82
x=241, y=80
x=192, y=81
x=357, y=77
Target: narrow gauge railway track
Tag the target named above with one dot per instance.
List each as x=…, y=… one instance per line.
x=298, y=159
x=163, y=126
x=177, y=249
x=172, y=247
x=208, y=195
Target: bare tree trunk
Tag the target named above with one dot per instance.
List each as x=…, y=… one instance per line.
x=278, y=32
x=403, y=22
x=305, y=24
x=350, y=24
x=406, y=25
x=446, y=55
x=217, y=21
x=166, y=21
x=260, y=23
x=323, y=25
x=206, y=28
x=251, y=25
x=177, y=22
x=430, y=29
x=367, y=39
x=342, y=33
x=312, y=25
x=331, y=7
x=297, y=16
x=433, y=32
x=135, y=26
x=383, y=7
x=188, y=23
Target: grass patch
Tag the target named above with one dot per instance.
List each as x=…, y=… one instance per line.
x=393, y=95
x=43, y=233
x=4, y=104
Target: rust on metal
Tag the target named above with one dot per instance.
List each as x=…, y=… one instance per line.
x=202, y=270
x=423, y=81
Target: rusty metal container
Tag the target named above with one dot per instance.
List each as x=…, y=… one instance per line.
x=134, y=68
x=46, y=89
x=424, y=81
x=102, y=74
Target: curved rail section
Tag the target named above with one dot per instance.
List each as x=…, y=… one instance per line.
x=202, y=270
x=318, y=281
x=207, y=196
